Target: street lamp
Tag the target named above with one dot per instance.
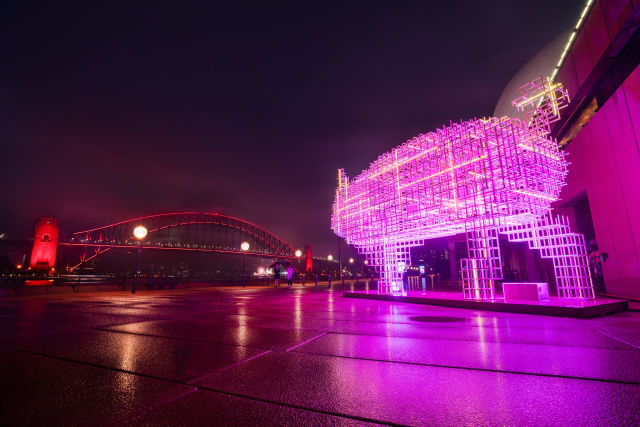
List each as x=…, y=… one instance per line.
x=140, y=232
x=298, y=253
x=351, y=260
x=340, y=272
x=245, y=247
x=330, y=257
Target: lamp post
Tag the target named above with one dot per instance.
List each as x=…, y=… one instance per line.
x=330, y=258
x=339, y=256
x=245, y=247
x=298, y=255
x=140, y=232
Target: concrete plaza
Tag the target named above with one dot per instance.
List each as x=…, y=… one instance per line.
x=266, y=356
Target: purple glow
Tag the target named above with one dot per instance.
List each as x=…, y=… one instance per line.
x=482, y=177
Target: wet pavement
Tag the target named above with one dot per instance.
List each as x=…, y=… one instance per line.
x=264, y=356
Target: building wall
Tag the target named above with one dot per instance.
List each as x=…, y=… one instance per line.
x=605, y=155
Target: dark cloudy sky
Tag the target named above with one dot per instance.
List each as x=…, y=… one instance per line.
x=111, y=111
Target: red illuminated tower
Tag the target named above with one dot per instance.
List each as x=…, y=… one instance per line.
x=45, y=244
x=308, y=261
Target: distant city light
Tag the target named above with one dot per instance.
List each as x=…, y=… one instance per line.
x=261, y=271
x=244, y=246
x=140, y=232
x=330, y=257
x=298, y=253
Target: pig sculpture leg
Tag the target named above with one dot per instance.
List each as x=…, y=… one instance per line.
x=395, y=259
x=554, y=239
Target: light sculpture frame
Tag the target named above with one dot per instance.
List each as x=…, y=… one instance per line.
x=482, y=177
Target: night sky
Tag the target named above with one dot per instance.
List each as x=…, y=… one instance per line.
x=110, y=112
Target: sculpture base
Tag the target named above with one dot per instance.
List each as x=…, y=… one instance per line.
x=551, y=307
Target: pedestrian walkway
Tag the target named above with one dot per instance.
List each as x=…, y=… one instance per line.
x=306, y=356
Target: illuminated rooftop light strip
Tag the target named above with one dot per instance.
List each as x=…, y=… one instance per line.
x=572, y=37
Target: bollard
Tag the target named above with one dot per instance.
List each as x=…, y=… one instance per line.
x=342, y=277
x=316, y=280
x=304, y=276
x=329, y=281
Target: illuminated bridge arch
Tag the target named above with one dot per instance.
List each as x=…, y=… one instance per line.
x=184, y=231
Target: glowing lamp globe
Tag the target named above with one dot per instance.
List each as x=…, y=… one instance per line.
x=330, y=257
x=140, y=232
x=351, y=260
x=298, y=253
x=244, y=246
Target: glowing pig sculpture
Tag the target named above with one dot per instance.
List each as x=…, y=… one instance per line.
x=482, y=177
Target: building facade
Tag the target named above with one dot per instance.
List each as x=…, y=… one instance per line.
x=601, y=134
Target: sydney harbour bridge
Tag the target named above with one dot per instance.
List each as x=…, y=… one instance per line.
x=178, y=231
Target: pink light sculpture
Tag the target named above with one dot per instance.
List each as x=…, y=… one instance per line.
x=482, y=177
